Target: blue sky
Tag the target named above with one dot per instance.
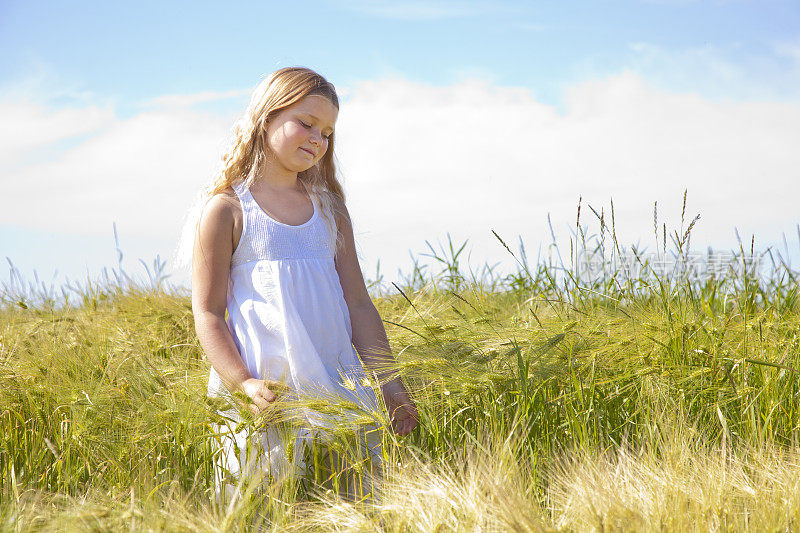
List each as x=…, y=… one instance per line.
x=103, y=69
x=140, y=50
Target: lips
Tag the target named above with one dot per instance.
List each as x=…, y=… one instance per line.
x=309, y=152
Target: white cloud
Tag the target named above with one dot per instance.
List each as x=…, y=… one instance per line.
x=420, y=161
x=141, y=173
x=29, y=126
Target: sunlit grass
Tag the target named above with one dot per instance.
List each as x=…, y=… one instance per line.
x=548, y=401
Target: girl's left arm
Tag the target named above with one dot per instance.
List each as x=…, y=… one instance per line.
x=369, y=335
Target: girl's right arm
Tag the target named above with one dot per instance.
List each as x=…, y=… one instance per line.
x=213, y=248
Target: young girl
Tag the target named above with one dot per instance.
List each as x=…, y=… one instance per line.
x=274, y=248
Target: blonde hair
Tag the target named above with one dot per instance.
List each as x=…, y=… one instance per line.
x=243, y=161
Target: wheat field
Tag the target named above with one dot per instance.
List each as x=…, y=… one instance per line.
x=549, y=400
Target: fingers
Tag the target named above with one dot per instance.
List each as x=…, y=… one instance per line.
x=277, y=388
x=263, y=400
x=267, y=395
x=403, y=415
x=404, y=419
x=404, y=427
x=261, y=408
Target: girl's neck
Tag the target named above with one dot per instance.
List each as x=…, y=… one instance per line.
x=276, y=177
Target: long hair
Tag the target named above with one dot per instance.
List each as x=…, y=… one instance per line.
x=243, y=160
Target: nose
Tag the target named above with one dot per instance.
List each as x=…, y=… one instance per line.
x=315, y=138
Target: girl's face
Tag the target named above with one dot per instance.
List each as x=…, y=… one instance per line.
x=298, y=135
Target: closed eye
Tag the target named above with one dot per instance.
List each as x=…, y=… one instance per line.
x=308, y=126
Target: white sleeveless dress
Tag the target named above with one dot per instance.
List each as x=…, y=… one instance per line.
x=290, y=323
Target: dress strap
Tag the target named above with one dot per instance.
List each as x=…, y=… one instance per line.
x=240, y=189
x=245, y=203
x=246, y=200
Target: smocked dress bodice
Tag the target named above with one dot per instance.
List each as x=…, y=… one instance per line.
x=286, y=309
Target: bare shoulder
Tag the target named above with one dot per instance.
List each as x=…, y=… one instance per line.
x=222, y=208
x=223, y=215
x=223, y=205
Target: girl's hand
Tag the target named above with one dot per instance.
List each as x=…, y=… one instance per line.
x=262, y=394
x=402, y=411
